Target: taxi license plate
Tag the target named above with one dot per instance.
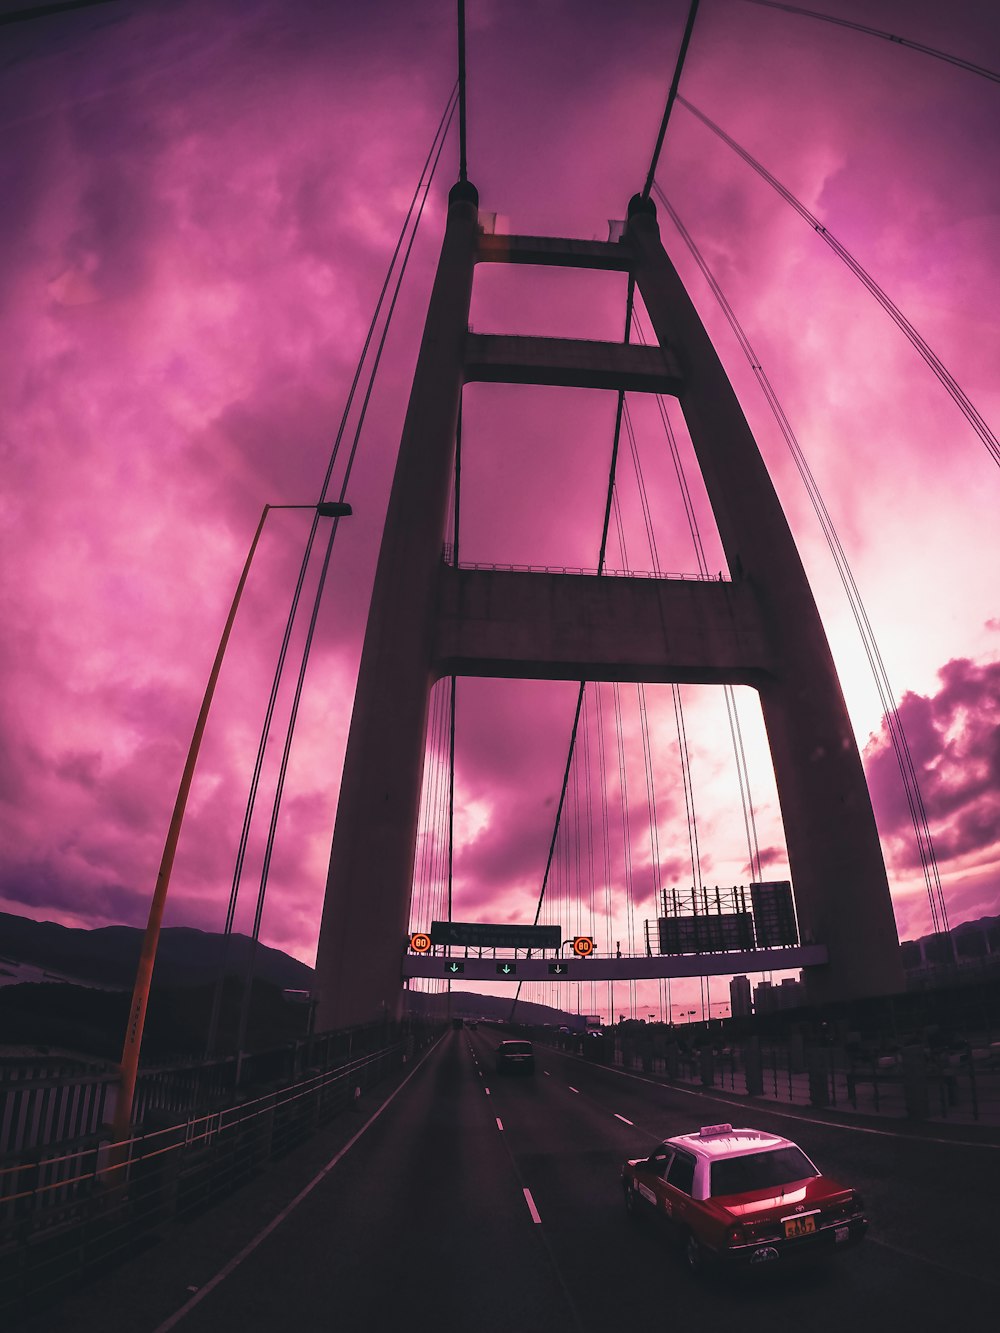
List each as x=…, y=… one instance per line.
x=799, y=1226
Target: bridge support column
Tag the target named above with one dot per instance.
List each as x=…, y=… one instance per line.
x=841, y=889
x=371, y=864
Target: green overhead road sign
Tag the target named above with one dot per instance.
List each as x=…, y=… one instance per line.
x=506, y=969
x=478, y=935
x=558, y=969
x=453, y=968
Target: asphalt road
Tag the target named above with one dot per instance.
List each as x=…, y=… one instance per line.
x=480, y=1203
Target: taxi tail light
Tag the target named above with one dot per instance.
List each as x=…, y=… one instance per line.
x=735, y=1236
x=848, y=1207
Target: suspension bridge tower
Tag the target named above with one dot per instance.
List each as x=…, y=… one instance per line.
x=760, y=627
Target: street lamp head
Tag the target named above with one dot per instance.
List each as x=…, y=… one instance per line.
x=334, y=509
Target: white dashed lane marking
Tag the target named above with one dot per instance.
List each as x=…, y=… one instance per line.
x=531, y=1205
x=622, y=1119
x=499, y=1124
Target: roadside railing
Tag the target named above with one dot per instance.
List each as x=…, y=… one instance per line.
x=912, y=1084
x=67, y=1209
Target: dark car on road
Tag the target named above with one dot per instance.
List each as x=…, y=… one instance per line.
x=515, y=1057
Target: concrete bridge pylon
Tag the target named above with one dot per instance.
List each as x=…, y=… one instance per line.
x=427, y=619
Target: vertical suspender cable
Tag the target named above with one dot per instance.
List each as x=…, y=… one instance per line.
x=600, y=570
x=671, y=97
x=454, y=679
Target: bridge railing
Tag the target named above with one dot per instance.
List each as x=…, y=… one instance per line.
x=911, y=1083
x=448, y=557
x=54, y=1102
x=66, y=1208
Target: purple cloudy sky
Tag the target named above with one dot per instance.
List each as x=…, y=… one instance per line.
x=199, y=203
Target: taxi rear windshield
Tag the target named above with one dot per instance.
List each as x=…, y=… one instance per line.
x=760, y=1171
x=517, y=1048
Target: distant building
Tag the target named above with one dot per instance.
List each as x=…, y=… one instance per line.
x=740, y=1005
x=768, y=998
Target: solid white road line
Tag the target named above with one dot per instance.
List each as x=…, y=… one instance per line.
x=531, y=1205
x=275, y=1222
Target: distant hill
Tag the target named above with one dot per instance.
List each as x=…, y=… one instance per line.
x=107, y=959
x=494, y=1008
x=108, y=956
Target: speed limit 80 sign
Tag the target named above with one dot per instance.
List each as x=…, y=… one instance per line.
x=583, y=946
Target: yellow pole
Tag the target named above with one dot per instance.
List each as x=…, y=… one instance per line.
x=144, y=974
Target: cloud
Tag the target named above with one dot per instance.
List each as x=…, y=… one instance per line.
x=954, y=741
x=199, y=207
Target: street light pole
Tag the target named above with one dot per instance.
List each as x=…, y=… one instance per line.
x=147, y=957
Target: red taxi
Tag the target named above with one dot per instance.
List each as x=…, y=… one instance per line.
x=741, y=1198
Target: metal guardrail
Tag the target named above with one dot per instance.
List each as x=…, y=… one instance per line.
x=912, y=1086
x=53, y=1101
x=64, y=1211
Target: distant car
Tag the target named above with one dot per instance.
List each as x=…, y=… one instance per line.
x=741, y=1198
x=515, y=1057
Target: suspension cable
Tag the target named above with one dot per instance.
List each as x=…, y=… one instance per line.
x=623, y=788
x=423, y=184
x=683, y=755
x=732, y=711
x=888, y=36
x=904, y=758
x=422, y=911
x=609, y=504
x=430, y=162
x=440, y=835
x=462, y=169
x=589, y=768
x=317, y=599
x=441, y=129
x=605, y=824
x=671, y=97
x=916, y=340
x=454, y=679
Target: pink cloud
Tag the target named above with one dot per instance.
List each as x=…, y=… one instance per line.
x=954, y=741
